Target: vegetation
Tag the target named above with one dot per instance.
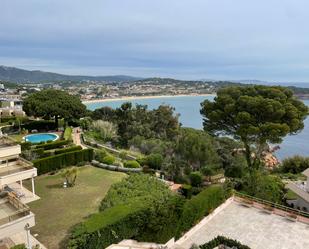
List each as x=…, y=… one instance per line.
x=52, y=163
x=55, y=104
x=221, y=240
x=67, y=135
x=70, y=175
x=131, y=164
x=59, y=209
x=199, y=206
x=53, y=145
x=68, y=149
x=140, y=206
x=107, y=130
x=254, y=115
x=294, y=165
x=139, y=121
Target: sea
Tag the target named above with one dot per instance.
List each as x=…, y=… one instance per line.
x=188, y=107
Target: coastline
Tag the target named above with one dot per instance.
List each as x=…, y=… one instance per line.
x=143, y=97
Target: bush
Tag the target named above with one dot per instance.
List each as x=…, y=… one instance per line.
x=294, y=165
x=53, y=145
x=60, y=161
x=196, y=179
x=131, y=164
x=186, y=190
x=67, y=135
x=220, y=240
x=100, y=154
x=199, y=206
x=139, y=207
x=109, y=159
x=69, y=149
x=40, y=125
x=20, y=246
x=26, y=146
x=154, y=161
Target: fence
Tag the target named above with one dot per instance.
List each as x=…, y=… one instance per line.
x=291, y=213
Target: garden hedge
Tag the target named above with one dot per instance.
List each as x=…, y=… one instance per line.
x=53, y=145
x=69, y=149
x=221, y=240
x=139, y=207
x=48, y=164
x=199, y=206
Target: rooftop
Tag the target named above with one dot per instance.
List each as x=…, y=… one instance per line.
x=252, y=227
x=300, y=190
x=306, y=172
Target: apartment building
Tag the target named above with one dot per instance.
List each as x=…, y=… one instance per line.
x=16, y=219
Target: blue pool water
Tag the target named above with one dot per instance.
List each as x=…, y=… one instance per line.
x=189, y=109
x=41, y=137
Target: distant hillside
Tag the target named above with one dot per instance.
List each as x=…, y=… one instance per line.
x=13, y=74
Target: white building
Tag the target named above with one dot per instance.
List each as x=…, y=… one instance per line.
x=15, y=216
x=302, y=192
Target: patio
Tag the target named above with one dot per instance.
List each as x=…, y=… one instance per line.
x=252, y=227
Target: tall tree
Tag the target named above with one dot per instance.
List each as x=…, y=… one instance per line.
x=254, y=115
x=55, y=104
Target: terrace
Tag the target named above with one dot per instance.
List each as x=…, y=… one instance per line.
x=253, y=222
x=14, y=215
x=6, y=141
x=15, y=166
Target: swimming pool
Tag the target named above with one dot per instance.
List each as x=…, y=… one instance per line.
x=41, y=137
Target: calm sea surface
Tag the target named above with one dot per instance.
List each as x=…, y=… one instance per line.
x=189, y=109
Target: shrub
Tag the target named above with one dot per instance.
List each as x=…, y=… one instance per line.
x=220, y=240
x=51, y=163
x=40, y=125
x=107, y=130
x=100, y=154
x=196, y=179
x=139, y=207
x=131, y=164
x=20, y=246
x=53, y=145
x=186, y=190
x=69, y=149
x=199, y=206
x=154, y=161
x=294, y=165
x=26, y=146
x=67, y=135
x=109, y=159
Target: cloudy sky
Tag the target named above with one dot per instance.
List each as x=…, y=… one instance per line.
x=189, y=39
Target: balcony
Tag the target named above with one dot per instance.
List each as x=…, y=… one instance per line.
x=17, y=170
x=14, y=215
x=8, y=148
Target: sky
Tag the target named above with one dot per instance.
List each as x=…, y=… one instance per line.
x=184, y=39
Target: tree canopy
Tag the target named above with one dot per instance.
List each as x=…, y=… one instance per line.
x=255, y=115
x=56, y=104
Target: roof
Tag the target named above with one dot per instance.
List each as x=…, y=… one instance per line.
x=299, y=191
x=306, y=172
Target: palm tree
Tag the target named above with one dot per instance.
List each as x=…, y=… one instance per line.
x=70, y=175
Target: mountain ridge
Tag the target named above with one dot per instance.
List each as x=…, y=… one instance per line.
x=19, y=75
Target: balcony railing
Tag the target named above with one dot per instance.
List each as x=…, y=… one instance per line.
x=250, y=200
x=12, y=203
x=6, y=141
x=19, y=165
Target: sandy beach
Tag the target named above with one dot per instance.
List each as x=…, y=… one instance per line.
x=141, y=97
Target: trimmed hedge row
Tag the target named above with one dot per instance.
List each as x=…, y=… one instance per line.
x=69, y=149
x=221, y=240
x=199, y=206
x=53, y=145
x=48, y=164
x=108, y=227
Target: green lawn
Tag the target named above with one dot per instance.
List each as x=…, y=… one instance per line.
x=59, y=209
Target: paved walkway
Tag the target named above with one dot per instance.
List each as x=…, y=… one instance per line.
x=252, y=227
x=76, y=137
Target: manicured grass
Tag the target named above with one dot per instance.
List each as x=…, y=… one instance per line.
x=59, y=209
x=290, y=195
